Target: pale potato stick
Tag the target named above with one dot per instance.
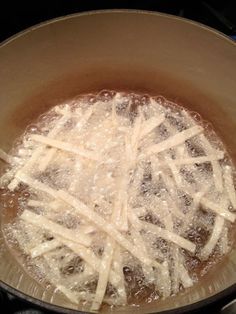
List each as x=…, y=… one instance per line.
x=170, y=185
x=124, y=212
x=84, y=252
x=86, y=229
x=104, y=271
x=164, y=267
x=217, y=171
x=162, y=209
x=139, y=211
x=184, y=276
x=109, y=228
x=229, y=185
x=182, y=273
x=224, y=242
x=170, y=236
x=214, y=238
x=119, y=217
x=131, y=154
x=174, y=252
x=35, y=203
x=5, y=157
x=36, y=154
x=37, y=185
x=116, y=213
x=138, y=241
x=177, y=152
x=128, y=151
x=136, y=224
x=137, y=179
x=155, y=166
x=53, y=277
x=165, y=280
x=84, y=118
x=65, y=146
x=45, y=160
x=124, y=129
x=55, y=205
x=174, y=140
x=217, y=208
x=150, y=124
x=55, y=228
x=7, y=177
x=118, y=268
x=89, y=257
x=61, y=121
x=181, y=149
x=44, y=248
x=196, y=201
x=168, y=219
x=174, y=170
x=72, y=296
x=136, y=130
x=163, y=233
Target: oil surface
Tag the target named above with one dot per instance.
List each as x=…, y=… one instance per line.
x=128, y=109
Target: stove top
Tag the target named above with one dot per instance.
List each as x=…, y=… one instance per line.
x=11, y=305
x=18, y=15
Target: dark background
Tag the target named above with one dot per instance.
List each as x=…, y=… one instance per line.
x=20, y=14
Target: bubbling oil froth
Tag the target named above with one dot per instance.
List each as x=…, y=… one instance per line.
x=157, y=172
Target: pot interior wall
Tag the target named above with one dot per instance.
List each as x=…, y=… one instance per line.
x=143, y=52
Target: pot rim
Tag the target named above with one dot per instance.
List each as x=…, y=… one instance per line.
x=226, y=293
x=108, y=11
